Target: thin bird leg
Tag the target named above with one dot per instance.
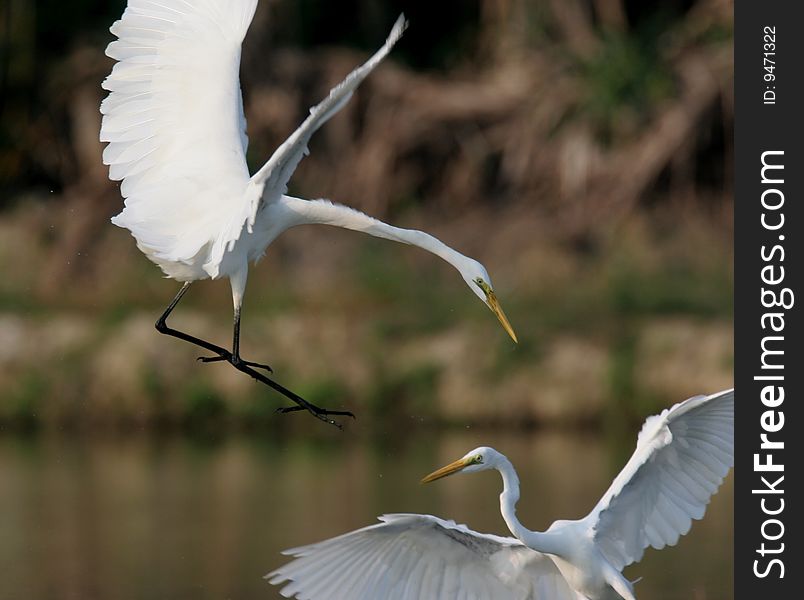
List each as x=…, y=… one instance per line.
x=162, y=327
x=317, y=412
x=234, y=356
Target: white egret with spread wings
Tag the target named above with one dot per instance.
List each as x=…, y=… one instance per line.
x=681, y=458
x=176, y=134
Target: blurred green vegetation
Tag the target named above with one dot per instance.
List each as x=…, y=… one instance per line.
x=397, y=307
x=624, y=80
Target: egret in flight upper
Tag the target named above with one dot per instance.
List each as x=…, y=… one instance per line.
x=176, y=134
x=681, y=458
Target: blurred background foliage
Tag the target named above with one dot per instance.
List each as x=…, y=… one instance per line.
x=581, y=149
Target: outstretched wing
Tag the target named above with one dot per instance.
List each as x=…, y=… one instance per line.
x=411, y=557
x=274, y=175
x=174, y=119
x=681, y=458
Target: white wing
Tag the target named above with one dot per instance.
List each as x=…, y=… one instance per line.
x=681, y=458
x=416, y=557
x=274, y=175
x=174, y=121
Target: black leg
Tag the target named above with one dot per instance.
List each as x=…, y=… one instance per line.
x=319, y=413
x=161, y=326
x=234, y=357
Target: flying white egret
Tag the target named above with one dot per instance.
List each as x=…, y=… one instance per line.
x=177, y=139
x=681, y=458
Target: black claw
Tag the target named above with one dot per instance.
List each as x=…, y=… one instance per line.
x=228, y=358
x=316, y=410
x=246, y=367
x=319, y=413
x=342, y=413
x=209, y=359
x=258, y=366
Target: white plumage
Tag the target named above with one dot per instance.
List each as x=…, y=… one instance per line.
x=681, y=458
x=175, y=126
x=176, y=136
x=422, y=557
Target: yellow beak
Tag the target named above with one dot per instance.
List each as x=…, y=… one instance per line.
x=495, y=307
x=451, y=468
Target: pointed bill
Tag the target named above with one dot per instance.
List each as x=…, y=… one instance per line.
x=495, y=307
x=451, y=468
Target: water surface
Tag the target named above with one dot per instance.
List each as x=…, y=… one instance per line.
x=176, y=517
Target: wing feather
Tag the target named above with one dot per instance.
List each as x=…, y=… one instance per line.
x=270, y=181
x=406, y=557
x=174, y=122
x=274, y=175
x=681, y=458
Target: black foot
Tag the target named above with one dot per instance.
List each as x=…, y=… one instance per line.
x=228, y=358
x=245, y=366
x=221, y=354
x=320, y=413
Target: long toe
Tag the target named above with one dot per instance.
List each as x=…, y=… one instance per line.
x=209, y=359
x=302, y=404
x=258, y=365
x=319, y=412
x=227, y=357
x=339, y=413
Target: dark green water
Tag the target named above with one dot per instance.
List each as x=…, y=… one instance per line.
x=173, y=518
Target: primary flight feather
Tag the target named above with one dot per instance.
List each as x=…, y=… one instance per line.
x=681, y=458
x=176, y=134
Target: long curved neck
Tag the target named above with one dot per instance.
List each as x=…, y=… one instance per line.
x=542, y=542
x=324, y=212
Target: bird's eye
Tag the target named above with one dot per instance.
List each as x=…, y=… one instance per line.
x=482, y=285
x=479, y=459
